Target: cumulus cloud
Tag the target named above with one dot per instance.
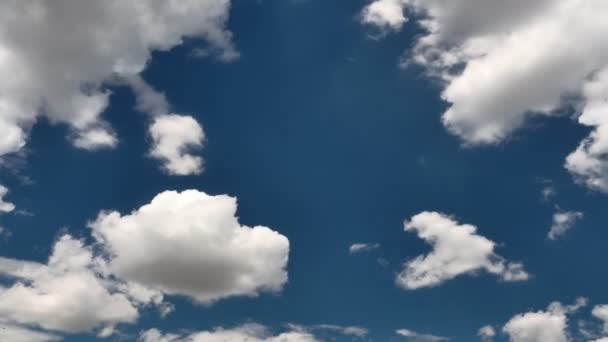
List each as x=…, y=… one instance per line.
x=63, y=54
x=68, y=294
x=457, y=250
x=601, y=312
x=562, y=222
x=548, y=325
x=190, y=243
x=173, y=136
x=362, y=247
x=486, y=333
x=502, y=62
x=418, y=337
x=245, y=333
x=5, y=207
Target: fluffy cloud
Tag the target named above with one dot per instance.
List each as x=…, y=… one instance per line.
x=504, y=61
x=245, y=333
x=62, y=54
x=172, y=136
x=457, y=250
x=486, y=333
x=549, y=325
x=190, y=243
x=562, y=222
x=418, y=337
x=362, y=247
x=5, y=207
x=68, y=294
x=601, y=312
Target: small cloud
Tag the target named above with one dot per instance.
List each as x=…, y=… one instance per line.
x=360, y=247
x=419, y=337
x=563, y=221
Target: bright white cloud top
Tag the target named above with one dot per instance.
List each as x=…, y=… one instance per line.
x=60, y=71
x=457, y=250
x=190, y=243
x=601, y=312
x=500, y=67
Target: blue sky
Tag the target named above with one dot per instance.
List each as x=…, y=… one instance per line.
x=273, y=137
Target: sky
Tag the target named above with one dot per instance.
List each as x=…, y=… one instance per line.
x=303, y=170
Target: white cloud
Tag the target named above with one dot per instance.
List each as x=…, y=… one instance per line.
x=5, y=207
x=14, y=333
x=190, y=243
x=62, y=54
x=245, y=333
x=486, y=333
x=173, y=136
x=562, y=222
x=549, y=191
x=550, y=325
x=68, y=294
x=457, y=250
x=386, y=14
x=502, y=62
x=96, y=138
x=362, y=247
x=418, y=337
x=601, y=312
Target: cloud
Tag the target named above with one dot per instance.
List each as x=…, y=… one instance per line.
x=5, y=207
x=562, y=222
x=486, y=333
x=172, y=136
x=344, y=330
x=386, y=14
x=356, y=248
x=68, y=294
x=14, y=333
x=418, y=337
x=190, y=243
x=457, y=250
x=245, y=333
x=601, y=312
x=62, y=56
x=502, y=62
x=549, y=191
x=549, y=325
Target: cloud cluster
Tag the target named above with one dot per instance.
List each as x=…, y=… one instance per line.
x=245, y=333
x=457, y=250
x=182, y=243
x=63, y=54
x=499, y=66
x=548, y=325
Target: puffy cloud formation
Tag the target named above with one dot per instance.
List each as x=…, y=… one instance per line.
x=5, y=207
x=486, y=333
x=562, y=222
x=113, y=40
x=499, y=64
x=418, y=337
x=190, y=243
x=457, y=250
x=362, y=247
x=549, y=325
x=172, y=136
x=601, y=312
x=68, y=294
x=245, y=333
